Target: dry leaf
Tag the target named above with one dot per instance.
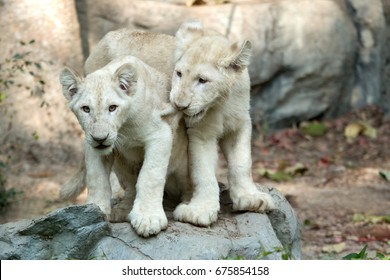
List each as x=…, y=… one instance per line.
x=284, y=172
x=190, y=3
x=296, y=169
x=369, y=131
x=354, y=129
x=385, y=175
x=314, y=128
x=334, y=248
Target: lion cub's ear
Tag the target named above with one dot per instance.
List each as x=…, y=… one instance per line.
x=70, y=81
x=127, y=77
x=238, y=57
x=187, y=33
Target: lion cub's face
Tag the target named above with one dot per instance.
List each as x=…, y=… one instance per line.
x=101, y=102
x=206, y=67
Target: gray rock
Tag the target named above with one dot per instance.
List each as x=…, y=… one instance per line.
x=386, y=61
x=80, y=232
x=67, y=233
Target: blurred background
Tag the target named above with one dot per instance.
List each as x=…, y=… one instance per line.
x=320, y=74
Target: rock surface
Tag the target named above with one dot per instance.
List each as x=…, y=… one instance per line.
x=311, y=59
x=80, y=232
x=54, y=27
x=66, y=233
x=386, y=61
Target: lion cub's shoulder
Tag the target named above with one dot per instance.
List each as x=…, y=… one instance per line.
x=154, y=49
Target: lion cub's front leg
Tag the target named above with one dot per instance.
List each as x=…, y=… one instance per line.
x=203, y=207
x=148, y=216
x=243, y=191
x=98, y=168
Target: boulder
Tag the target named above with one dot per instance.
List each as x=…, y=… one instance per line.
x=80, y=232
x=311, y=59
x=67, y=233
x=386, y=61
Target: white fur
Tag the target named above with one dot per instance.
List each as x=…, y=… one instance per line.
x=211, y=86
x=135, y=138
x=216, y=112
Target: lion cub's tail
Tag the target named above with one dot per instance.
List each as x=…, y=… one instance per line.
x=75, y=186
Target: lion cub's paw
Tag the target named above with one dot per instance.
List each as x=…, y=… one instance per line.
x=120, y=210
x=105, y=209
x=146, y=222
x=119, y=215
x=255, y=202
x=197, y=214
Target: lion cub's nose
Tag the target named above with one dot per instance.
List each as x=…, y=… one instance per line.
x=181, y=107
x=100, y=139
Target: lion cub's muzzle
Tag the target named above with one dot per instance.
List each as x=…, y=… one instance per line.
x=100, y=142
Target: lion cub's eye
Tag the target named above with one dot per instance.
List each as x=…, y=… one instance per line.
x=112, y=108
x=123, y=86
x=86, y=109
x=202, y=81
x=73, y=91
x=178, y=73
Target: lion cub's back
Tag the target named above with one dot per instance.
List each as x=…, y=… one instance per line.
x=154, y=49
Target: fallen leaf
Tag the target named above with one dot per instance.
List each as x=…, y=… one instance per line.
x=371, y=219
x=283, y=164
x=262, y=171
x=325, y=161
x=284, y=171
x=354, y=129
x=278, y=176
x=385, y=175
x=369, y=130
x=3, y=97
x=334, y=248
x=190, y=3
x=314, y=129
x=296, y=169
x=358, y=218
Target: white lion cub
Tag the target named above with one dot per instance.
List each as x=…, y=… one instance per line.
x=129, y=128
x=211, y=86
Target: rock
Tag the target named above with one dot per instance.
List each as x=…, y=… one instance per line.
x=80, y=232
x=386, y=61
x=67, y=233
x=311, y=59
x=53, y=26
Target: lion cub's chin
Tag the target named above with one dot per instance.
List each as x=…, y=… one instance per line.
x=103, y=149
x=193, y=118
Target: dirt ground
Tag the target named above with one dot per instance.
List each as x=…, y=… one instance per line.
x=333, y=183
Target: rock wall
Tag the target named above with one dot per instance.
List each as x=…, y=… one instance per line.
x=311, y=59
x=385, y=93
x=54, y=27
